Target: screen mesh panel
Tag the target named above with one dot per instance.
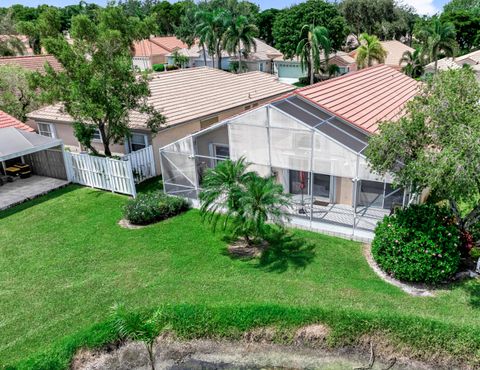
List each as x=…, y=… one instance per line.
x=331, y=158
x=291, y=148
x=279, y=119
x=178, y=169
x=255, y=117
x=250, y=142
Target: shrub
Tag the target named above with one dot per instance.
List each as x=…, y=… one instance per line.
x=418, y=244
x=153, y=207
x=158, y=67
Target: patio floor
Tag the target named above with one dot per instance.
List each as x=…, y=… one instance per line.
x=21, y=190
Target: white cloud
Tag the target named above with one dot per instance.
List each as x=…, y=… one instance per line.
x=423, y=6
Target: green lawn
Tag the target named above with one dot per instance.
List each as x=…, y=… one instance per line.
x=65, y=261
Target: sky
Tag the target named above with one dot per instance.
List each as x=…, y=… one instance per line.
x=422, y=6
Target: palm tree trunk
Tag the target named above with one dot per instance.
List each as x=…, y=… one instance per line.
x=239, y=61
x=312, y=72
x=204, y=54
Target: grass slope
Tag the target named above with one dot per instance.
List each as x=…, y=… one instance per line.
x=65, y=261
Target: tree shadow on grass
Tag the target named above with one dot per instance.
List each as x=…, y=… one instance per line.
x=283, y=251
x=286, y=250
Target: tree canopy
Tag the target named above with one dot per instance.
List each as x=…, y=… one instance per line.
x=98, y=85
x=436, y=145
x=17, y=95
x=384, y=18
x=287, y=28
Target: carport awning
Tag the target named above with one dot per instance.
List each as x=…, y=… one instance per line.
x=15, y=143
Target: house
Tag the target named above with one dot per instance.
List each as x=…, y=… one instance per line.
x=313, y=142
x=290, y=70
x=155, y=50
x=261, y=58
x=395, y=50
x=471, y=59
x=33, y=63
x=191, y=100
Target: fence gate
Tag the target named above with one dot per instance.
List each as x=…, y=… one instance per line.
x=102, y=173
x=143, y=164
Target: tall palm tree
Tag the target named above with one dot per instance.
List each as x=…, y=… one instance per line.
x=309, y=48
x=204, y=33
x=211, y=29
x=439, y=38
x=414, y=62
x=240, y=37
x=370, y=50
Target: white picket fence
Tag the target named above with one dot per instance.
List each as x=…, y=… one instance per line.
x=116, y=175
x=143, y=163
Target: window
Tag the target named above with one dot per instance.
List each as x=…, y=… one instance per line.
x=138, y=141
x=220, y=152
x=97, y=136
x=46, y=129
x=322, y=184
x=261, y=67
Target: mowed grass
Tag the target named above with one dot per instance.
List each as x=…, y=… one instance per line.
x=64, y=262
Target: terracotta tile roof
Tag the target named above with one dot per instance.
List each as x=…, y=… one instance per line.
x=32, y=62
x=193, y=93
x=7, y=120
x=366, y=97
x=146, y=48
x=169, y=42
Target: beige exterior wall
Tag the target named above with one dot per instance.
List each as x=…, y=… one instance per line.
x=64, y=131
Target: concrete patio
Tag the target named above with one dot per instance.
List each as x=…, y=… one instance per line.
x=21, y=190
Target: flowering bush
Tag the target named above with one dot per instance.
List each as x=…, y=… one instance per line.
x=418, y=244
x=152, y=207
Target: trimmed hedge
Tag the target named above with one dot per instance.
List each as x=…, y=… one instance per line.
x=152, y=207
x=418, y=244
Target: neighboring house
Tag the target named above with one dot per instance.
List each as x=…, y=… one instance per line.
x=32, y=62
x=471, y=59
x=291, y=70
x=155, y=50
x=260, y=59
x=395, y=50
x=313, y=141
x=191, y=99
x=7, y=120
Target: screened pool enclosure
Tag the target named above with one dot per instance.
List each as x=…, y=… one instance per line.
x=316, y=156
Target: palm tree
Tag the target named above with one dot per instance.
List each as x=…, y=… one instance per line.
x=414, y=62
x=221, y=189
x=369, y=51
x=247, y=199
x=210, y=30
x=439, y=38
x=240, y=37
x=263, y=201
x=135, y=327
x=309, y=48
